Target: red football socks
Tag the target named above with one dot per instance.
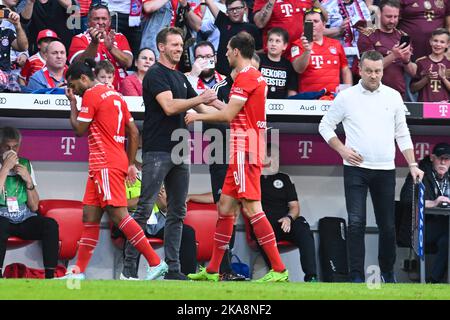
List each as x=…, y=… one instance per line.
x=134, y=233
x=222, y=236
x=88, y=242
x=266, y=239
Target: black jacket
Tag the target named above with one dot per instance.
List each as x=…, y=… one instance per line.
x=431, y=189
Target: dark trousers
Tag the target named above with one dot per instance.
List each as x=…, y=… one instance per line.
x=158, y=168
x=188, y=249
x=34, y=228
x=436, y=232
x=381, y=184
x=301, y=236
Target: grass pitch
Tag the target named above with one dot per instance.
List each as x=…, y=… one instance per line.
x=183, y=290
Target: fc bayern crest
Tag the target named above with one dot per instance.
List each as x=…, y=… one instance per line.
x=278, y=184
x=5, y=42
x=333, y=50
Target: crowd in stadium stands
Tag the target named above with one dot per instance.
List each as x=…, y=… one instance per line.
x=412, y=37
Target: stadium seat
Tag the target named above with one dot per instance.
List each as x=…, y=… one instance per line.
x=282, y=245
x=69, y=215
x=203, y=219
x=16, y=242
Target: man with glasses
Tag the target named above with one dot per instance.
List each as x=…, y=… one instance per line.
x=230, y=25
x=99, y=42
x=203, y=74
x=322, y=62
x=284, y=14
x=437, y=194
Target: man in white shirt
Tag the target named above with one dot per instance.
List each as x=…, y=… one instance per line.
x=373, y=116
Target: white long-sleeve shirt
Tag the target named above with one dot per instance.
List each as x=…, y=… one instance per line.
x=372, y=121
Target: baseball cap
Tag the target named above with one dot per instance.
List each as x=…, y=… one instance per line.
x=47, y=33
x=441, y=149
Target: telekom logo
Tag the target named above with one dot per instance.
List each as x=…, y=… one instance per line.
x=67, y=144
x=317, y=61
x=422, y=149
x=443, y=109
x=287, y=9
x=305, y=148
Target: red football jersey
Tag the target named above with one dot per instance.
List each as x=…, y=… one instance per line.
x=286, y=14
x=33, y=64
x=81, y=41
x=107, y=113
x=324, y=69
x=249, y=125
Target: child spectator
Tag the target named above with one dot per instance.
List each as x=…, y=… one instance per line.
x=431, y=79
x=280, y=76
x=104, y=72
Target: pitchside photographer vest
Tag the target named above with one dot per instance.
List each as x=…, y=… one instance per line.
x=15, y=186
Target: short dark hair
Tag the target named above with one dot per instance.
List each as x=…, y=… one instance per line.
x=229, y=2
x=245, y=43
x=145, y=48
x=371, y=55
x=104, y=65
x=78, y=68
x=440, y=31
x=204, y=44
x=98, y=7
x=315, y=10
x=279, y=32
x=9, y=133
x=390, y=3
x=165, y=32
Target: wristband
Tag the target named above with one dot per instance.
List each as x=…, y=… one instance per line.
x=290, y=217
x=30, y=189
x=414, y=164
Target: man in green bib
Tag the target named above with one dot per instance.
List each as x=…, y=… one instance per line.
x=19, y=202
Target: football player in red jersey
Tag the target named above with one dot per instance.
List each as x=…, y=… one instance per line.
x=246, y=114
x=105, y=116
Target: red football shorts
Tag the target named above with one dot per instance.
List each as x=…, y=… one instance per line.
x=105, y=187
x=243, y=179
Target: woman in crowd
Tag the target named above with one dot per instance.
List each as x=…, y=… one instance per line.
x=132, y=84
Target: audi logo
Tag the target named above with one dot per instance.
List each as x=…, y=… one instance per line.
x=3, y=100
x=276, y=106
x=62, y=102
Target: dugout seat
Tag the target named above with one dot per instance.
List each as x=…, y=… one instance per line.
x=69, y=216
x=203, y=219
x=282, y=245
x=16, y=242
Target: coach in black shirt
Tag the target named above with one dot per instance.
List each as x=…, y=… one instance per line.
x=167, y=96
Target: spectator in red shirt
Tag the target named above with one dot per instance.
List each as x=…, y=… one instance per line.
x=284, y=14
x=102, y=43
x=132, y=85
x=321, y=63
x=37, y=61
x=432, y=80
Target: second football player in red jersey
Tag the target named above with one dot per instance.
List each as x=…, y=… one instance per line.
x=105, y=116
x=246, y=114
